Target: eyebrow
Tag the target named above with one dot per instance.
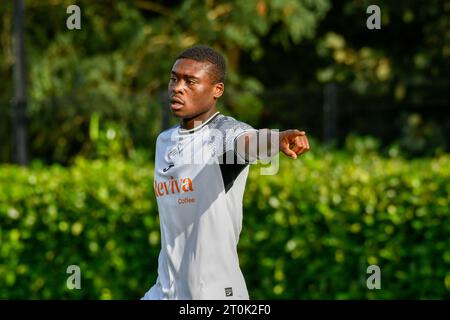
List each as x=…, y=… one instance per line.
x=183, y=75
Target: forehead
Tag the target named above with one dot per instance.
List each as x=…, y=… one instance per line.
x=189, y=67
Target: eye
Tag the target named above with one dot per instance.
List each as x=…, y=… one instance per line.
x=191, y=82
x=172, y=78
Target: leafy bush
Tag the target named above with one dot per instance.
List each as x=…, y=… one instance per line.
x=310, y=232
x=100, y=216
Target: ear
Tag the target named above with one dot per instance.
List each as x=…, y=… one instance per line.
x=218, y=90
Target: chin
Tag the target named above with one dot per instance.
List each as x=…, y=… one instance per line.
x=183, y=114
x=179, y=113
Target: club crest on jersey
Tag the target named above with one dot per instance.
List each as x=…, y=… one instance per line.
x=173, y=186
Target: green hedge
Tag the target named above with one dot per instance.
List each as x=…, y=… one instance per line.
x=310, y=232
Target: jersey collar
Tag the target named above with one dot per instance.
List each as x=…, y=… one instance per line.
x=185, y=131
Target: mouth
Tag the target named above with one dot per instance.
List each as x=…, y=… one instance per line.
x=176, y=103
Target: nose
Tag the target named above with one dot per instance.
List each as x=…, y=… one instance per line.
x=176, y=87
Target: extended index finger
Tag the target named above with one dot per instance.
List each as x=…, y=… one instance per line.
x=305, y=141
x=294, y=133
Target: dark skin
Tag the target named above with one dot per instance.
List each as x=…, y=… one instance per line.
x=193, y=95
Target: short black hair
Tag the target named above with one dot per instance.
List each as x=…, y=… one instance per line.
x=203, y=53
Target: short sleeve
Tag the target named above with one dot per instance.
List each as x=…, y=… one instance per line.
x=228, y=130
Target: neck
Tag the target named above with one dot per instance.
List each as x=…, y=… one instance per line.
x=196, y=121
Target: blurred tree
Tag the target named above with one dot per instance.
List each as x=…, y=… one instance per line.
x=383, y=75
x=116, y=66
x=118, y=63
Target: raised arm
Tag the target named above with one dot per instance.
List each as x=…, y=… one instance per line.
x=265, y=143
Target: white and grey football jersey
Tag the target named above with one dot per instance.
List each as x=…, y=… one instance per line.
x=199, y=183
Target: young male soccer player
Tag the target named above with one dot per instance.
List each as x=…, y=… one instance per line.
x=201, y=167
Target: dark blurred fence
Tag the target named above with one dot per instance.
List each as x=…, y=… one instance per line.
x=419, y=121
x=5, y=131
x=332, y=112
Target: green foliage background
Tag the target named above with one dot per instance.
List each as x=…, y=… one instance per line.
x=310, y=232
